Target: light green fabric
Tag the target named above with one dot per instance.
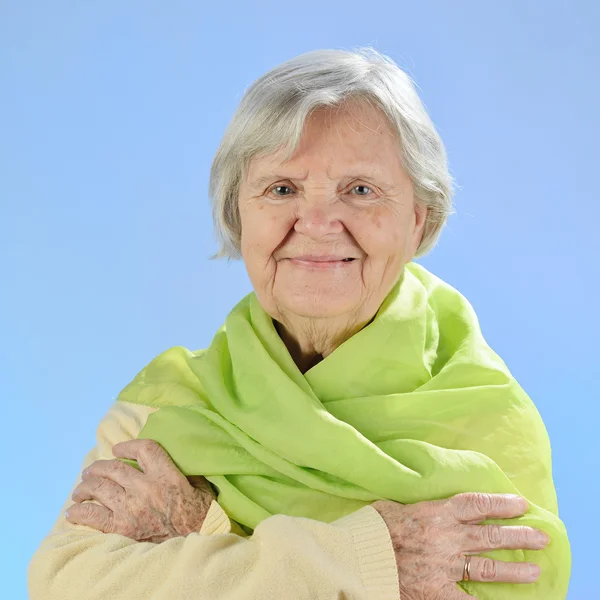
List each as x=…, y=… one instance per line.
x=416, y=406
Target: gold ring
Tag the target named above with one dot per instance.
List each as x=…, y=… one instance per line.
x=467, y=569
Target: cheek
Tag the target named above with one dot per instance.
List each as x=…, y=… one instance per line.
x=263, y=231
x=379, y=232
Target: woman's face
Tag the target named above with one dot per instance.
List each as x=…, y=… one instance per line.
x=328, y=232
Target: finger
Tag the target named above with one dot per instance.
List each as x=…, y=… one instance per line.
x=92, y=515
x=481, y=538
x=103, y=490
x=115, y=470
x=148, y=453
x=488, y=570
x=201, y=483
x=473, y=507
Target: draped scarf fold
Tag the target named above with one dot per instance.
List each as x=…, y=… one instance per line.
x=415, y=406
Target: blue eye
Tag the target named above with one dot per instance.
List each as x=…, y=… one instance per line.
x=362, y=186
x=279, y=187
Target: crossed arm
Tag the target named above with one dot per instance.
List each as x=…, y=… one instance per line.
x=354, y=557
x=285, y=557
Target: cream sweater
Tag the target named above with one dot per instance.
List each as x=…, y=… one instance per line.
x=287, y=558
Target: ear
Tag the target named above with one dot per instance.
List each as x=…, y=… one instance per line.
x=421, y=212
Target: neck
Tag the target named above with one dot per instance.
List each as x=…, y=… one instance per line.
x=310, y=340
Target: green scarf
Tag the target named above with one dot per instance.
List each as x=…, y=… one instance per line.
x=415, y=406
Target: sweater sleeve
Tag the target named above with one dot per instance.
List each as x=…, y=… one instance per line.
x=286, y=557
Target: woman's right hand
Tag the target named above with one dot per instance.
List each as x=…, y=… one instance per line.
x=431, y=540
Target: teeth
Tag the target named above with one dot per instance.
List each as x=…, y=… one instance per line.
x=347, y=259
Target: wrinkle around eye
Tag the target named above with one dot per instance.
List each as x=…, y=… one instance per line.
x=371, y=195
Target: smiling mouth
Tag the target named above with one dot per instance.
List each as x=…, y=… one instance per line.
x=321, y=263
x=321, y=259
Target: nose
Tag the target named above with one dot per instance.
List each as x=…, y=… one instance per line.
x=317, y=220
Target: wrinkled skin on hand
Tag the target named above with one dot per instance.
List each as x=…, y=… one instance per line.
x=154, y=505
x=431, y=540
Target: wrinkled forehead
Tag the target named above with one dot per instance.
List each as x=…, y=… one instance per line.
x=334, y=144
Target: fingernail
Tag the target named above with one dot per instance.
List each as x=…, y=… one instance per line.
x=66, y=514
x=523, y=504
x=542, y=539
x=534, y=572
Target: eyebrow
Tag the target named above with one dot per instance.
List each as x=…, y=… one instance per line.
x=255, y=184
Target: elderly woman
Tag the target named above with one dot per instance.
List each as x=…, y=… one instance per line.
x=348, y=433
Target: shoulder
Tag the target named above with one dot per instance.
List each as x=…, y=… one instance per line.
x=172, y=373
x=123, y=421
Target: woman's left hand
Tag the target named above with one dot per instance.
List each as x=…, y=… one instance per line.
x=154, y=505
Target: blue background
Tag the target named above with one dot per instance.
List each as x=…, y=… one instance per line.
x=110, y=115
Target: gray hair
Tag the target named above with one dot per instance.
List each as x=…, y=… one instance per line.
x=271, y=116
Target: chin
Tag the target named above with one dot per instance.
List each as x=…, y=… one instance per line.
x=319, y=306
